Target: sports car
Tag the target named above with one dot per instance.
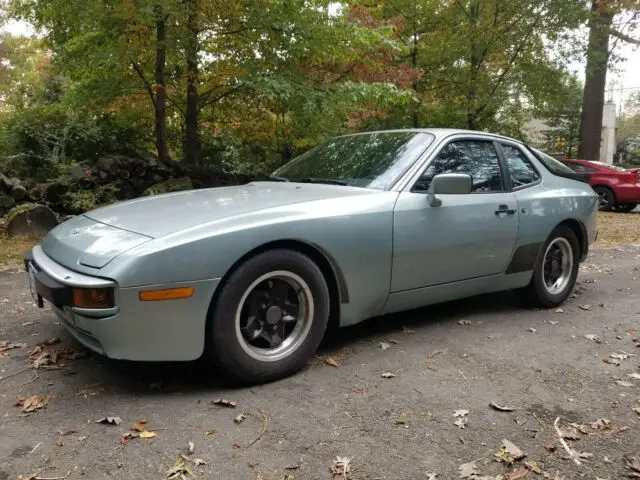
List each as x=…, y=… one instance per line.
x=250, y=277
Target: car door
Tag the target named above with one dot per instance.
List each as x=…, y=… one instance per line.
x=467, y=236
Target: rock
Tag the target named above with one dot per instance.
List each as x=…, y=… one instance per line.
x=6, y=203
x=5, y=184
x=30, y=220
x=171, y=185
x=107, y=162
x=19, y=192
x=54, y=192
x=35, y=194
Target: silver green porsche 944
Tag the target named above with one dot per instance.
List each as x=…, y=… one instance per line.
x=362, y=225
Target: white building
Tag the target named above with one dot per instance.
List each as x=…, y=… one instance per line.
x=608, y=141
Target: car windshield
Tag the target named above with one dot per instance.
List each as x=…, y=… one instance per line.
x=370, y=160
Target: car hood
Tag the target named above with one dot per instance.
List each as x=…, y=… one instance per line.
x=161, y=215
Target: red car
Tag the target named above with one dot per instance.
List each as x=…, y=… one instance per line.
x=617, y=187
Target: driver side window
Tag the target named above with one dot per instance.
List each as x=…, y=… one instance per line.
x=477, y=158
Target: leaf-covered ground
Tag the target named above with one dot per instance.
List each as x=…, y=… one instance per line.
x=475, y=389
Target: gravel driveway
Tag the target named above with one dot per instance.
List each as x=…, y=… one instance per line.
x=451, y=359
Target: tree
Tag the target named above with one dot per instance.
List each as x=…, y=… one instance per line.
x=483, y=62
x=598, y=57
x=561, y=112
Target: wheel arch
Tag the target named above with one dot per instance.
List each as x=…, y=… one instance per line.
x=581, y=233
x=336, y=282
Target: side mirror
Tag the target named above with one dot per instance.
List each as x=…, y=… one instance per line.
x=448, y=184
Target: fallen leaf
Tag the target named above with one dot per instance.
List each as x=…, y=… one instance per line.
x=209, y=432
x=110, y=420
x=580, y=427
x=341, y=466
x=138, y=427
x=224, y=403
x=634, y=375
x=191, y=447
x=612, y=361
x=518, y=474
x=240, y=418
x=387, y=375
x=550, y=447
x=460, y=413
x=143, y=421
x=384, y=345
x=582, y=455
x=124, y=439
x=622, y=383
x=464, y=322
x=585, y=307
x=179, y=471
x=592, y=337
x=50, y=342
x=501, y=408
x=533, y=466
x=6, y=345
x=401, y=421
x=468, y=470
x=461, y=423
x=559, y=310
x=330, y=361
x=508, y=453
x=147, y=434
x=32, y=403
x=196, y=461
x=619, y=356
x=601, y=423
x=637, y=410
x=531, y=329
x=569, y=433
x=430, y=476
x=395, y=342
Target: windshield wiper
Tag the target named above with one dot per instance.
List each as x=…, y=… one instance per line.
x=275, y=178
x=328, y=181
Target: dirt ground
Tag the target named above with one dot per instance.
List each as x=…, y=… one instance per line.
x=453, y=357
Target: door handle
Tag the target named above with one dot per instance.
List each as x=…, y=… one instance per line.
x=505, y=209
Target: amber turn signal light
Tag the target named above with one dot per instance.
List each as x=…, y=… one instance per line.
x=93, y=297
x=166, y=294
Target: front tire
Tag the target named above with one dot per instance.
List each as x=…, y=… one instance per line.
x=270, y=317
x=555, y=272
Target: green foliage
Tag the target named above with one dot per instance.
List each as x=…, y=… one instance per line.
x=37, y=142
x=80, y=201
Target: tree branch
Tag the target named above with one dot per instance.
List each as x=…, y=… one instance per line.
x=624, y=37
x=147, y=85
x=219, y=97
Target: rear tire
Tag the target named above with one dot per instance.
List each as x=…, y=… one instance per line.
x=625, y=207
x=555, y=272
x=606, y=199
x=269, y=318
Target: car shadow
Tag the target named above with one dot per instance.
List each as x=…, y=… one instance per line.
x=161, y=378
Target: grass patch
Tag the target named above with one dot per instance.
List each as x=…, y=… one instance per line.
x=12, y=249
x=615, y=229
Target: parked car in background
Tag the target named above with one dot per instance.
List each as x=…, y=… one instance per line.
x=617, y=187
x=359, y=226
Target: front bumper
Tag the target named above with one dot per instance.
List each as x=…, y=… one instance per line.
x=171, y=330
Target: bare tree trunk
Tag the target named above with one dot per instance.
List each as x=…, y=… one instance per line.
x=161, y=86
x=595, y=81
x=191, y=143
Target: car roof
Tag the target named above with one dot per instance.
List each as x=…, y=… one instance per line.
x=439, y=132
